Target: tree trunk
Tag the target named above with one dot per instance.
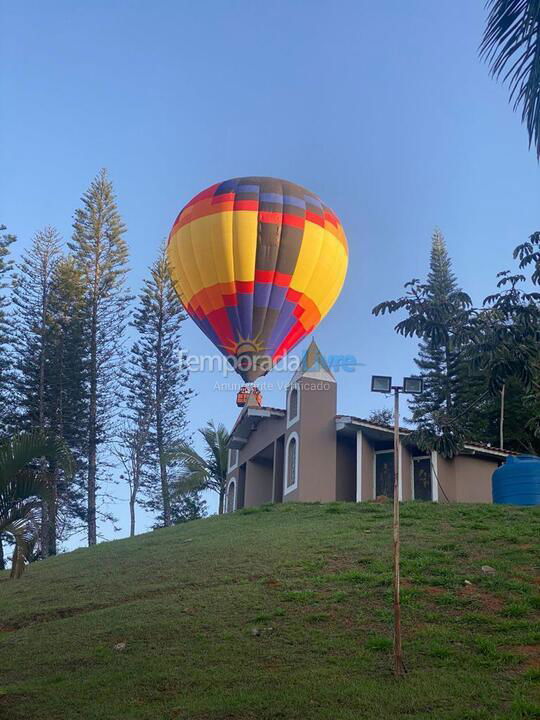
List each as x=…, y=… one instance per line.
x=92, y=430
x=2, y=558
x=52, y=510
x=45, y=506
x=165, y=496
x=221, y=500
x=132, y=515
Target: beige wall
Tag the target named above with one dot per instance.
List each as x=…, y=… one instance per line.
x=316, y=430
x=446, y=474
x=406, y=473
x=473, y=478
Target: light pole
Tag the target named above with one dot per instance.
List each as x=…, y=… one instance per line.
x=414, y=385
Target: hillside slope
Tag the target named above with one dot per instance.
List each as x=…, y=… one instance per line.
x=282, y=612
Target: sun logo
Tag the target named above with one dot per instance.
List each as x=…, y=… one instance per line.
x=249, y=356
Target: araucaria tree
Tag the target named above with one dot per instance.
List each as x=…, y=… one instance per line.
x=31, y=296
x=66, y=392
x=438, y=313
x=6, y=330
x=158, y=388
x=101, y=255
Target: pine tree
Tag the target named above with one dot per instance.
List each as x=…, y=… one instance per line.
x=438, y=313
x=101, y=254
x=439, y=355
x=66, y=393
x=31, y=296
x=6, y=336
x=158, y=387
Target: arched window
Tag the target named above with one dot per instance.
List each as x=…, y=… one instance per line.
x=291, y=464
x=293, y=409
x=230, y=498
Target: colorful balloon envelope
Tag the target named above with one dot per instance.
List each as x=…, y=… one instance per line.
x=257, y=263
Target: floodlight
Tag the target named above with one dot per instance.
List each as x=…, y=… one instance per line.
x=381, y=383
x=413, y=385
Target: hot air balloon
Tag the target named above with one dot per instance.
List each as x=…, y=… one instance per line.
x=257, y=263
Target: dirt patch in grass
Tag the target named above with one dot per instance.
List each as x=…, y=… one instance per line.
x=434, y=591
x=489, y=601
x=530, y=653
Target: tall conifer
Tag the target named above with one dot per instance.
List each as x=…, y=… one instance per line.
x=158, y=387
x=101, y=255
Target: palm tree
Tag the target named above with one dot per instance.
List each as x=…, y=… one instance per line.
x=511, y=46
x=27, y=461
x=209, y=470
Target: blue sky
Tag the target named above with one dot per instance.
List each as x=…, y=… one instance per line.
x=383, y=109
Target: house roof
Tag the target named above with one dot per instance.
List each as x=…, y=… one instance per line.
x=248, y=421
x=250, y=417
x=470, y=447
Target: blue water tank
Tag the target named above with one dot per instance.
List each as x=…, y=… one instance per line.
x=517, y=482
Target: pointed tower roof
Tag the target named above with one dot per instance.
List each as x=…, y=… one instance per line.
x=313, y=366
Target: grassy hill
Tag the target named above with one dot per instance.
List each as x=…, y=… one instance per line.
x=282, y=612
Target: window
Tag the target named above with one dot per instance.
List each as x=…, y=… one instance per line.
x=233, y=459
x=291, y=464
x=230, y=498
x=422, y=478
x=293, y=409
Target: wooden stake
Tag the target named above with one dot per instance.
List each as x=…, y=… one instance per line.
x=399, y=668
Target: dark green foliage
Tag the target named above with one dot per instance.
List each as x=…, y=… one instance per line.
x=438, y=313
x=384, y=416
x=31, y=297
x=505, y=363
x=206, y=471
x=157, y=389
x=66, y=387
x=27, y=463
x=511, y=45
x=100, y=256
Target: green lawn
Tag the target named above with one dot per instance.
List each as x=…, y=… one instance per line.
x=282, y=612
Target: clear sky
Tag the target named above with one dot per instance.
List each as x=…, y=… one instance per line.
x=382, y=109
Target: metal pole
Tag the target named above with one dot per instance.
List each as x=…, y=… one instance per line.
x=399, y=668
x=501, y=420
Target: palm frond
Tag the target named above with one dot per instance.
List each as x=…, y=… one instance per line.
x=511, y=46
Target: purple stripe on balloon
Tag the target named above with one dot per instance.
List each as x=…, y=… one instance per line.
x=245, y=313
x=262, y=294
x=285, y=321
x=277, y=296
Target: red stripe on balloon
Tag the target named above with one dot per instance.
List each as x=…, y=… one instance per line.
x=246, y=205
x=221, y=324
x=225, y=197
x=281, y=219
x=314, y=218
x=331, y=217
x=293, y=295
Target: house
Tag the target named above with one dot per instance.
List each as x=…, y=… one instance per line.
x=307, y=452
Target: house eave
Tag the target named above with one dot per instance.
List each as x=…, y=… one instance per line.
x=248, y=421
